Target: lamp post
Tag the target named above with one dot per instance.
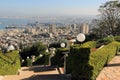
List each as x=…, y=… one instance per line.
x=65, y=55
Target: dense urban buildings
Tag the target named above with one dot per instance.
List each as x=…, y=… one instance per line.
x=37, y=32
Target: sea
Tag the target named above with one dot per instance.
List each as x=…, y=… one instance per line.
x=4, y=22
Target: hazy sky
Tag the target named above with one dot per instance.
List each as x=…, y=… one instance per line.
x=49, y=7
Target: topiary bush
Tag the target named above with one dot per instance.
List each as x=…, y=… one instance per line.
x=58, y=59
x=102, y=57
x=36, y=49
x=28, y=62
x=81, y=70
x=44, y=60
x=117, y=38
x=104, y=41
x=90, y=44
x=10, y=63
x=84, y=64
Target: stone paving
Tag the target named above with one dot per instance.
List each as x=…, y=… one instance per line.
x=37, y=73
x=112, y=70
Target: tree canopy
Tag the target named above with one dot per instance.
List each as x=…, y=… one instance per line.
x=109, y=21
x=36, y=49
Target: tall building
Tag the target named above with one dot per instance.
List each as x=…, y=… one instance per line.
x=84, y=28
x=73, y=26
x=52, y=28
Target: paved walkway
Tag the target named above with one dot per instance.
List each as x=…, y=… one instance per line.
x=112, y=71
x=37, y=73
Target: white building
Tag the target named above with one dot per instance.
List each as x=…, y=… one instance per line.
x=52, y=28
x=84, y=28
x=73, y=26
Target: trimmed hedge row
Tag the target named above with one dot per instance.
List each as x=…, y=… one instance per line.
x=44, y=60
x=9, y=63
x=101, y=57
x=107, y=40
x=79, y=67
x=89, y=44
x=117, y=38
x=58, y=59
x=86, y=65
x=104, y=41
x=5, y=58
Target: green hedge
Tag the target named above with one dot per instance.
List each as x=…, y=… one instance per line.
x=80, y=69
x=86, y=65
x=107, y=40
x=89, y=44
x=44, y=60
x=117, y=38
x=104, y=41
x=9, y=63
x=58, y=59
x=36, y=49
x=101, y=57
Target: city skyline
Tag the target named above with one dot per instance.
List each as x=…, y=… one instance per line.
x=49, y=7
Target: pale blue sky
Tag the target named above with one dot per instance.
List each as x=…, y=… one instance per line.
x=49, y=7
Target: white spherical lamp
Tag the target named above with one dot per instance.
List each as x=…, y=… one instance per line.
x=80, y=37
x=62, y=45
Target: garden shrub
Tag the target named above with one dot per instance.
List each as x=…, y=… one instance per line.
x=58, y=59
x=9, y=63
x=28, y=62
x=80, y=68
x=104, y=41
x=102, y=57
x=86, y=65
x=117, y=38
x=90, y=44
x=44, y=60
x=34, y=50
